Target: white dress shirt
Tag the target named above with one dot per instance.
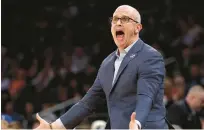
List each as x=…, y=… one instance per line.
x=118, y=61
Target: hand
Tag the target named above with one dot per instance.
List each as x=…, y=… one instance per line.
x=43, y=124
x=133, y=125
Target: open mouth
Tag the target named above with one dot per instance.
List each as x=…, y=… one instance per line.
x=120, y=35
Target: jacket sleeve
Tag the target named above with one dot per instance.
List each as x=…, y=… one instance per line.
x=94, y=97
x=150, y=77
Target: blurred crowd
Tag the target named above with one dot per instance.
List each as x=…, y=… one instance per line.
x=51, y=52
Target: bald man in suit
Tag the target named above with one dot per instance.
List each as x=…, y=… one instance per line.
x=130, y=80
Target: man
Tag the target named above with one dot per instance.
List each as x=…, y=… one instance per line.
x=183, y=114
x=130, y=79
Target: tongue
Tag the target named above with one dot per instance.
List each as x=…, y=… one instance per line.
x=120, y=37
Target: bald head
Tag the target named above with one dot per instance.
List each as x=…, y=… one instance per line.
x=195, y=97
x=130, y=11
x=195, y=90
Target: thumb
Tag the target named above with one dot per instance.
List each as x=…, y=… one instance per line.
x=133, y=116
x=39, y=118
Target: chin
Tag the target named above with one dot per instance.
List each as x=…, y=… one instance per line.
x=121, y=44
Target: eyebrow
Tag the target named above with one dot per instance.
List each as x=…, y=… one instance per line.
x=128, y=17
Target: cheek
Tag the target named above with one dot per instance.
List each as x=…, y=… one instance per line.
x=198, y=102
x=112, y=30
x=112, y=33
x=130, y=31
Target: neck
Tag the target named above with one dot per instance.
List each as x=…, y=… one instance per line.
x=128, y=43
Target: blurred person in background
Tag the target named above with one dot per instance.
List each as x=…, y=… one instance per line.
x=43, y=78
x=202, y=74
x=29, y=111
x=5, y=82
x=168, y=87
x=15, y=125
x=17, y=83
x=4, y=124
x=10, y=110
x=194, y=77
x=184, y=113
x=79, y=60
x=178, y=88
x=5, y=120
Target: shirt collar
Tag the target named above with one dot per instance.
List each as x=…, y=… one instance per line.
x=125, y=51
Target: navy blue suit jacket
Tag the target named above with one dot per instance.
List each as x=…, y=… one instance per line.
x=138, y=87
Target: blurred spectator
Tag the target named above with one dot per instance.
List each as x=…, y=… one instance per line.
x=18, y=83
x=79, y=60
x=45, y=76
x=62, y=93
x=5, y=82
x=194, y=76
x=183, y=114
x=168, y=87
x=6, y=119
x=9, y=110
x=4, y=124
x=179, y=88
x=192, y=33
x=29, y=111
x=15, y=125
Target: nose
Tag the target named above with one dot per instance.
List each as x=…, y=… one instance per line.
x=118, y=22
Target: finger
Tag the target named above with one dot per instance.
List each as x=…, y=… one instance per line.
x=41, y=120
x=133, y=116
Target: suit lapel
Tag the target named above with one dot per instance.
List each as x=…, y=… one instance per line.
x=132, y=53
x=109, y=71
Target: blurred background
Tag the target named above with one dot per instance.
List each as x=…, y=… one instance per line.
x=51, y=52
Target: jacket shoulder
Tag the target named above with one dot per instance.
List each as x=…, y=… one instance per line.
x=108, y=58
x=150, y=51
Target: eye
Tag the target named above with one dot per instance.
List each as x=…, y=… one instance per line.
x=115, y=19
x=125, y=19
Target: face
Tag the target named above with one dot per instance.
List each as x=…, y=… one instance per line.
x=9, y=107
x=179, y=81
x=124, y=28
x=195, y=70
x=198, y=101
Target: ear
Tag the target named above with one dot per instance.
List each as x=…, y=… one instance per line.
x=136, y=31
x=138, y=28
